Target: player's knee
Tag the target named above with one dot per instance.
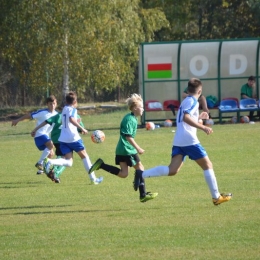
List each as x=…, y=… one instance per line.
x=51, y=153
x=172, y=172
x=123, y=174
x=69, y=163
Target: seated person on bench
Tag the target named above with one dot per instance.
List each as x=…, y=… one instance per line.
x=202, y=100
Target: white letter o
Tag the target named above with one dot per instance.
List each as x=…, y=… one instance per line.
x=204, y=68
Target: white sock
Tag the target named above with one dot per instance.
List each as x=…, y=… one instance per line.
x=156, y=172
x=211, y=180
x=87, y=164
x=61, y=162
x=45, y=154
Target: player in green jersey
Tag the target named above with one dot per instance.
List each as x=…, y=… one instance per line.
x=127, y=149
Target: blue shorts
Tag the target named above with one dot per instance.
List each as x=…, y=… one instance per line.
x=40, y=141
x=194, y=152
x=70, y=147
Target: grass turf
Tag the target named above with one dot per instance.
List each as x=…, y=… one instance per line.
x=75, y=220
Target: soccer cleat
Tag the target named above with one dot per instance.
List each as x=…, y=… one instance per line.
x=56, y=180
x=222, y=198
x=148, y=196
x=96, y=166
x=138, y=176
x=97, y=181
x=39, y=166
x=47, y=166
x=39, y=172
x=52, y=177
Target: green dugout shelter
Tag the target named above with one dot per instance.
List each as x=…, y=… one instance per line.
x=222, y=65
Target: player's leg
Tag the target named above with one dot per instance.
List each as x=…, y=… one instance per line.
x=100, y=164
x=54, y=175
x=158, y=171
x=67, y=150
x=211, y=180
x=47, y=152
x=176, y=162
x=121, y=172
x=58, y=169
x=87, y=165
x=144, y=196
x=44, y=144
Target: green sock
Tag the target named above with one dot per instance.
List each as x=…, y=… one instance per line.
x=58, y=170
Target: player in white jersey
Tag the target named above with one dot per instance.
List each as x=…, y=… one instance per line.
x=42, y=139
x=70, y=140
x=186, y=143
x=69, y=132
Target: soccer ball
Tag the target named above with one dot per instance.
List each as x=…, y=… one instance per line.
x=98, y=136
x=233, y=120
x=167, y=123
x=244, y=119
x=150, y=126
x=209, y=122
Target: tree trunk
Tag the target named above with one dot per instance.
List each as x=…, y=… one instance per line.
x=65, y=87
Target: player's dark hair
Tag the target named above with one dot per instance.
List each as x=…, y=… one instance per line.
x=251, y=78
x=193, y=85
x=71, y=97
x=51, y=98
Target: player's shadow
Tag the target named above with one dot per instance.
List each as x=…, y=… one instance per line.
x=17, y=185
x=61, y=211
x=33, y=207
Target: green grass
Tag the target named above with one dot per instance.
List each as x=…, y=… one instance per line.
x=74, y=220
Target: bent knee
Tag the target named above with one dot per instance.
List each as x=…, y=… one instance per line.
x=173, y=172
x=123, y=175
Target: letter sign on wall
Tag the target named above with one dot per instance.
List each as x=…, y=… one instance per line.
x=237, y=64
x=199, y=70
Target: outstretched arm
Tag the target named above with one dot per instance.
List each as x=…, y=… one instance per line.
x=26, y=116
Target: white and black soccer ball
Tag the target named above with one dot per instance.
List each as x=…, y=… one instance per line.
x=98, y=136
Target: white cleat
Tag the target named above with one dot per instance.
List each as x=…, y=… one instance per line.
x=97, y=181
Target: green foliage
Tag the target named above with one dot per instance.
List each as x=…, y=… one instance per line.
x=98, y=40
x=92, y=46
x=74, y=220
x=208, y=19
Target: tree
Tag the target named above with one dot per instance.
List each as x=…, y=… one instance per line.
x=89, y=45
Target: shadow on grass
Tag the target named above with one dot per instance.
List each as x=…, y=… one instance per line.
x=61, y=211
x=34, y=207
x=72, y=211
x=13, y=185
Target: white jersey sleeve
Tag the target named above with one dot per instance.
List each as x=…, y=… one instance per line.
x=40, y=116
x=185, y=134
x=69, y=132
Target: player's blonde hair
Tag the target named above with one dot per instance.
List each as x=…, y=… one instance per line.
x=134, y=100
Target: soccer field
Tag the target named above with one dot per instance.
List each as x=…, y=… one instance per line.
x=75, y=220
